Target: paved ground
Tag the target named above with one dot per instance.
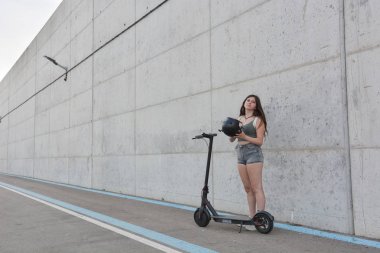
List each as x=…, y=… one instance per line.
x=27, y=225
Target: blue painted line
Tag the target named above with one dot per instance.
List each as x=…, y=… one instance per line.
x=299, y=229
x=162, y=238
x=329, y=235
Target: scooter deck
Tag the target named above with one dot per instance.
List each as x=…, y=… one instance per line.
x=233, y=219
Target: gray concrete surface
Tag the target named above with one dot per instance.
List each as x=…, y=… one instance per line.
x=124, y=119
x=29, y=226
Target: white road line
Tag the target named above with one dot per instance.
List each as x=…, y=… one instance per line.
x=101, y=224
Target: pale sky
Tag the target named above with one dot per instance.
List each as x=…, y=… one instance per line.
x=20, y=22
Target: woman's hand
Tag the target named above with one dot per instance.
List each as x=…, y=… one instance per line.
x=241, y=135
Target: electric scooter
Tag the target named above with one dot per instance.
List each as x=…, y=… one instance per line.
x=263, y=221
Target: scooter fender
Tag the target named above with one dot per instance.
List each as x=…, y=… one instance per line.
x=266, y=213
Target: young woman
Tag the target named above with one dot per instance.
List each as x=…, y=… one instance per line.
x=249, y=154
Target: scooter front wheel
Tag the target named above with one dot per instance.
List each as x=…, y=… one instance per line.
x=202, y=218
x=263, y=222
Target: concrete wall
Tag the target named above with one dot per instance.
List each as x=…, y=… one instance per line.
x=363, y=85
x=124, y=119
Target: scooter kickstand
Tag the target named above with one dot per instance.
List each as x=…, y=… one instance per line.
x=241, y=225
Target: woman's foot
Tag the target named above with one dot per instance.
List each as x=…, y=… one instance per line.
x=250, y=227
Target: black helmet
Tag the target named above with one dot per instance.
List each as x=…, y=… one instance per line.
x=231, y=127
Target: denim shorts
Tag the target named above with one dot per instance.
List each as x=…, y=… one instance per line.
x=249, y=153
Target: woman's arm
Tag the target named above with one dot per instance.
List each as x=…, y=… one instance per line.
x=260, y=130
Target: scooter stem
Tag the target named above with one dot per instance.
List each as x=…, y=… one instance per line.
x=208, y=160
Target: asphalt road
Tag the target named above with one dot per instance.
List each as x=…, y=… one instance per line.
x=37, y=216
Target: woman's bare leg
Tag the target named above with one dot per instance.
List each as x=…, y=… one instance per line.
x=255, y=174
x=248, y=189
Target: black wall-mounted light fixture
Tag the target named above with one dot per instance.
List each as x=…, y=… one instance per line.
x=56, y=63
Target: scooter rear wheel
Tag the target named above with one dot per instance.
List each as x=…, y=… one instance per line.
x=263, y=222
x=202, y=218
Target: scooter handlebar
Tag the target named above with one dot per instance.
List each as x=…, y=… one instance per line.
x=204, y=135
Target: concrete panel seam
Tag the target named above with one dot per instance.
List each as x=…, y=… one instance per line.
x=69, y=110
x=112, y=116
x=233, y=152
x=21, y=122
x=63, y=129
x=93, y=13
x=174, y=47
x=364, y=49
x=23, y=84
x=8, y=128
x=241, y=14
x=80, y=31
x=22, y=67
x=92, y=97
x=364, y=148
x=135, y=103
x=294, y=67
x=61, y=157
x=309, y=149
x=343, y=53
x=111, y=77
x=63, y=49
x=172, y=100
x=52, y=106
x=35, y=110
x=57, y=28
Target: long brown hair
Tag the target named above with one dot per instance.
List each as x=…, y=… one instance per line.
x=258, y=112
